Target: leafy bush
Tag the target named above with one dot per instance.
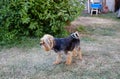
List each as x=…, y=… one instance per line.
x=36, y=17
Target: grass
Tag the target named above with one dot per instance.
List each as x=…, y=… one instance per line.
x=90, y=30
x=25, y=42
x=109, y=15
x=104, y=31
x=101, y=57
x=88, y=39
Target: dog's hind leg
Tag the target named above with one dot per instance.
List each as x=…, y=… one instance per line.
x=69, y=58
x=80, y=53
x=58, y=59
x=74, y=52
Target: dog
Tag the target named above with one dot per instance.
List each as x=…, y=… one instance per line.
x=69, y=45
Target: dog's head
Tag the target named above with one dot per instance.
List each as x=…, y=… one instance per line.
x=47, y=42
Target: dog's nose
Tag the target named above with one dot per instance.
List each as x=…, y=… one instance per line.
x=40, y=44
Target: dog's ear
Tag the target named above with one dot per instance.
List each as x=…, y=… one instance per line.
x=51, y=41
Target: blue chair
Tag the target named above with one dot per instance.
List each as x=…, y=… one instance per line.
x=95, y=7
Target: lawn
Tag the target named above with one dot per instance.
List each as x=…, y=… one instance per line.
x=100, y=43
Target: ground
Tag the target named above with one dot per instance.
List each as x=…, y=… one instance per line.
x=100, y=44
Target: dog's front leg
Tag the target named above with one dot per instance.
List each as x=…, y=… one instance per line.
x=58, y=59
x=69, y=58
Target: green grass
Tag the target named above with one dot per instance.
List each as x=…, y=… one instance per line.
x=92, y=30
x=88, y=39
x=104, y=31
x=109, y=15
x=24, y=42
x=85, y=29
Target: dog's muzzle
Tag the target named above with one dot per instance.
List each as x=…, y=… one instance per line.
x=42, y=43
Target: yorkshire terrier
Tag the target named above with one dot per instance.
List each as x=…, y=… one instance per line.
x=69, y=45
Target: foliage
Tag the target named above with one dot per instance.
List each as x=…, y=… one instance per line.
x=36, y=17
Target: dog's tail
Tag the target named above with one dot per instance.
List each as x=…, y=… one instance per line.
x=75, y=35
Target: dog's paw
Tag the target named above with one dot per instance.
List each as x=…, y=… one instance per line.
x=80, y=58
x=67, y=63
x=74, y=55
x=56, y=62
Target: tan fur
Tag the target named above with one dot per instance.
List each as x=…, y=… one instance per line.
x=77, y=51
x=74, y=53
x=80, y=53
x=47, y=41
x=69, y=58
x=58, y=59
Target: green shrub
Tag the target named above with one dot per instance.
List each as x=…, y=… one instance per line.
x=36, y=17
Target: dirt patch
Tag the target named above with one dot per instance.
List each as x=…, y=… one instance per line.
x=86, y=21
x=90, y=21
